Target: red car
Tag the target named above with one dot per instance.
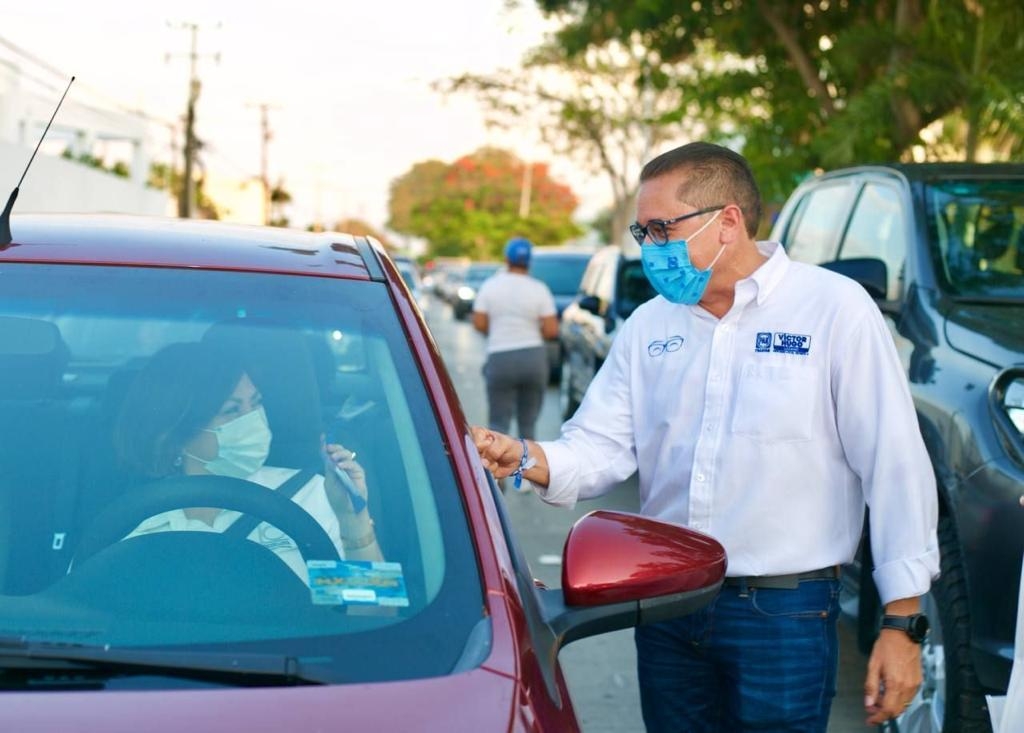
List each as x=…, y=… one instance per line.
x=117, y=613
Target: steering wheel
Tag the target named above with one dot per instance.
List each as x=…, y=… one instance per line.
x=182, y=491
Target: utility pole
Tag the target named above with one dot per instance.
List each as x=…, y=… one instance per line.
x=186, y=198
x=526, y=190
x=265, y=136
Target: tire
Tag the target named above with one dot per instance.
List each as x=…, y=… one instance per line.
x=567, y=402
x=950, y=699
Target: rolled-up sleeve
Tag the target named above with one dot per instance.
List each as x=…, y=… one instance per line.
x=882, y=441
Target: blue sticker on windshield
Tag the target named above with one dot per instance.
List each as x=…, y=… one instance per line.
x=357, y=583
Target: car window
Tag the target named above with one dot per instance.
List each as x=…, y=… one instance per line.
x=329, y=358
x=814, y=234
x=561, y=273
x=878, y=228
x=975, y=231
x=633, y=287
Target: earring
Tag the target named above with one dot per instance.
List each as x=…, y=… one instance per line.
x=178, y=460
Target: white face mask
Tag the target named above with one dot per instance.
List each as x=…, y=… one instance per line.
x=242, y=445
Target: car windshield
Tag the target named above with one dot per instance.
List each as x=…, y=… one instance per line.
x=976, y=228
x=561, y=273
x=327, y=356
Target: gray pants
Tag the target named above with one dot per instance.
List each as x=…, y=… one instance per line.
x=516, y=381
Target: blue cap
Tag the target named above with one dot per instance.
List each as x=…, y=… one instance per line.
x=517, y=251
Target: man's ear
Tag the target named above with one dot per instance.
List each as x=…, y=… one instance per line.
x=733, y=227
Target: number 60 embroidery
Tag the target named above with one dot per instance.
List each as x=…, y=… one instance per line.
x=657, y=348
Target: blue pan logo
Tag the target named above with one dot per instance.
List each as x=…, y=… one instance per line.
x=764, y=341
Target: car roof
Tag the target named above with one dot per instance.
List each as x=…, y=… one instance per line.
x=932, y=171
x=166, y=242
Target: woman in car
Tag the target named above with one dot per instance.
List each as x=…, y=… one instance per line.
x=194, y=410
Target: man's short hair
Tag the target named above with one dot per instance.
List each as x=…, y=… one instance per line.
x=715, y=175
x=517, y=251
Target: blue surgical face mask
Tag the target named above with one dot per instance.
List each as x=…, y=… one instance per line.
x=671, y=273
x=242, y=445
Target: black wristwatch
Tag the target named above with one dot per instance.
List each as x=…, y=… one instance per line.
x=916, y=625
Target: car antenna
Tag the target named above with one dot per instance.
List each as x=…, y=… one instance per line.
x=5, y=218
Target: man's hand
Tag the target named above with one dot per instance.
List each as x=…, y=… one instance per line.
x=894, y=674
x=502, y=453
x=499, y=453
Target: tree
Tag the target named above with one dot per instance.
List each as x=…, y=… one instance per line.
x=360, y=228
x=602, y=108
x=834, y=82
x=279, y=198
x=473, y=206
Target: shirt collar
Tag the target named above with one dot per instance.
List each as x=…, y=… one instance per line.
x=766, y=277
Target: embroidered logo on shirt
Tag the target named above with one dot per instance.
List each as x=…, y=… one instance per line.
x=783, y=343
x=657, y=348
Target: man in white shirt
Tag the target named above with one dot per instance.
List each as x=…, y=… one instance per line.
x=517, y=313
x=762, y=402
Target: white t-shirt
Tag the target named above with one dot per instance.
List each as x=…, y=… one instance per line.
x=514, y=303
x=767, y=429
x=310, y=497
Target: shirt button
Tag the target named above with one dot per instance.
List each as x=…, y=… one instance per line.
x=700, y=477
x=715, y=376
x=708, y=428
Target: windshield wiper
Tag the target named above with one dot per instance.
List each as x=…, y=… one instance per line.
x=247, y=669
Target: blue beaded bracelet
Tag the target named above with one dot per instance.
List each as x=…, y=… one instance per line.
x=525, y=462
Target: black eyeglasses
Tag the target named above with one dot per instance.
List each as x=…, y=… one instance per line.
x=657, y=229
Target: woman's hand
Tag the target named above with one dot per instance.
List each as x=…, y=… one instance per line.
x=347, y=496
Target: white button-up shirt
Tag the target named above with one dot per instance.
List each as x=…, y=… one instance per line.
x=768, y=429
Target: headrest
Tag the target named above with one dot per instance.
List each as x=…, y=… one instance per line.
x=32, y=358
x=278, y=360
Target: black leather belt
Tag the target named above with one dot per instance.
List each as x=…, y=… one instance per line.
x=790, y=581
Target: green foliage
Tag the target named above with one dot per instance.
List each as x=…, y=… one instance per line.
x=472, y=206
x=832, y=82
x=118, y=168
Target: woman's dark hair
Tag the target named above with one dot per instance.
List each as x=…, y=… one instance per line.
x=175, y=395
x=715, y=176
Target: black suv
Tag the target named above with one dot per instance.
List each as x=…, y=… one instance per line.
x=612, y=287
x=941, y=249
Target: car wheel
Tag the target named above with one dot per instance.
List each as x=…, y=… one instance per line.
x=567, y=402
x=950, y=698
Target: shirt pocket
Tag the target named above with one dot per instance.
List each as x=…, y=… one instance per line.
x=775, y=403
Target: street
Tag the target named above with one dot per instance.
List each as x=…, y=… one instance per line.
x=601, y=670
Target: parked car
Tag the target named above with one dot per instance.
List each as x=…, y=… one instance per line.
x=941, y=249
x=561, y=269
x=205, y=630
x=470, y=280
x=411, y=275
x=612, y=287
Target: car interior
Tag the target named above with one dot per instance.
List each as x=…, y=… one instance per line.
x=67, y=360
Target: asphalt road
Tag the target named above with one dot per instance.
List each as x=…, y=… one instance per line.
x=601, y=670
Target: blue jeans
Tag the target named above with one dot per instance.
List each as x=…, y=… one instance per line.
x=756, y=659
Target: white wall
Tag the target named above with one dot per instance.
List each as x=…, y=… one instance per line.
x=56, y=184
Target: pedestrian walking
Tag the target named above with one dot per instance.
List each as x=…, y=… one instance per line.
x=762, y=402
x=516, y=313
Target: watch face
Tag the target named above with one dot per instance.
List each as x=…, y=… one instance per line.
x=918, y=627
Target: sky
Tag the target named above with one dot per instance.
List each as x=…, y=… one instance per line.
x=347, y=84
